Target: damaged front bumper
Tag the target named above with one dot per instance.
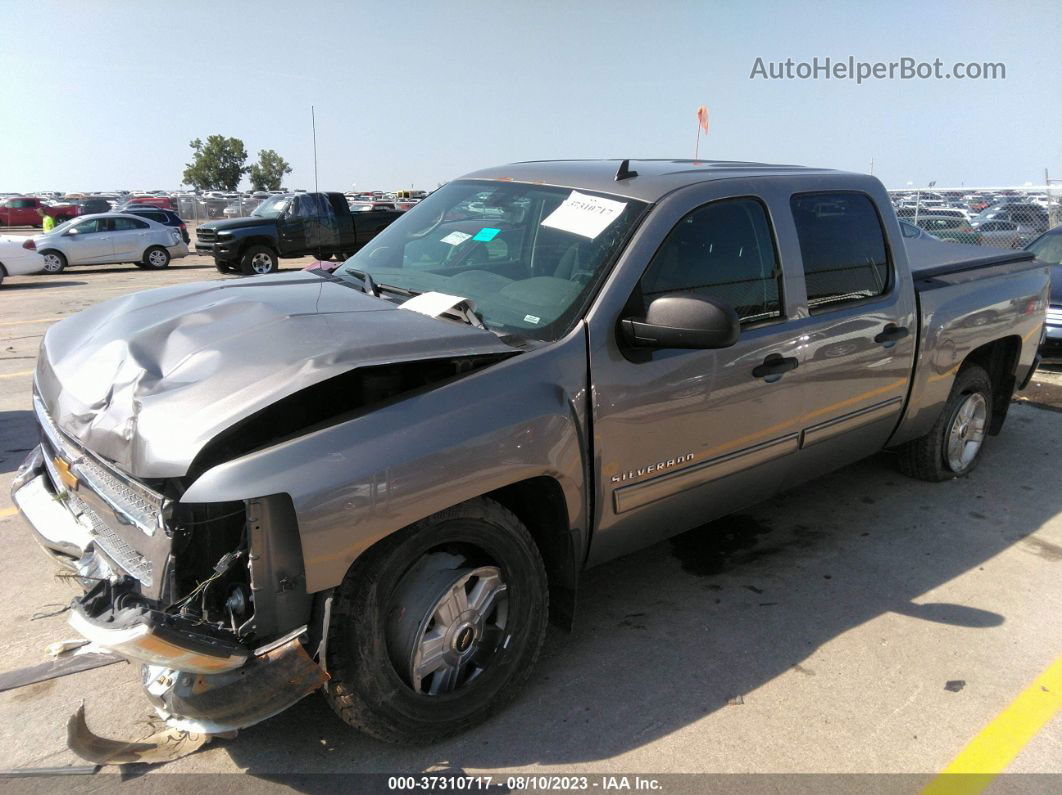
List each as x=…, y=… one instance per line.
x=275, y=677
x=197, y=677
x=111, y=615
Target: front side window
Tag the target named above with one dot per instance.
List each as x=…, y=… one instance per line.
x=528, y=256
x=87, y=227
x=272, y=208
x=843, y=248
x=724, y=251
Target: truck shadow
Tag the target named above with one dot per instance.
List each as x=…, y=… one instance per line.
x=698, y=623
x=18, y=435
x=39, y=285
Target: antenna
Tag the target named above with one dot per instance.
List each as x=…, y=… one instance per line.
x=625, y=171
x=313, y=121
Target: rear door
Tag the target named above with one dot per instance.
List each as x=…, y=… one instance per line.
x=857, y=339
x=25, y=212
x=130, y=237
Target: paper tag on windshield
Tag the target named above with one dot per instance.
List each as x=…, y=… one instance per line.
x=584, y=215
x=455, y=238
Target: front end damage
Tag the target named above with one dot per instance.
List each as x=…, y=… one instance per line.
x=210, y=598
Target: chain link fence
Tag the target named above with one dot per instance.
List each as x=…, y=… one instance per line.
x=1008, y=217
x=196, y=208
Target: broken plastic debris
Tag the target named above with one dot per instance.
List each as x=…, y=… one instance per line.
x=955, y=685
x=165, y=745
x=63, y=646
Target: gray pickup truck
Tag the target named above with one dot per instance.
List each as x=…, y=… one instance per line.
x=540, y=367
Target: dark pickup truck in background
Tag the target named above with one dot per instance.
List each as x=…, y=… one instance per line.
x=539, y=368
x=290, y=225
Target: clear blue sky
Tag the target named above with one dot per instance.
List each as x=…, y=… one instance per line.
x=98, y=96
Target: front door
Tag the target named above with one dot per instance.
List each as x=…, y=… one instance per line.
x=293, y=224
x=683, y=436
x=90, y=242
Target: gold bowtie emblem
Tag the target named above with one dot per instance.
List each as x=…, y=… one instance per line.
x=63, y=468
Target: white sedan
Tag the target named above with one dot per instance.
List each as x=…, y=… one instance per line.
x=110, y=238
x=18, y=256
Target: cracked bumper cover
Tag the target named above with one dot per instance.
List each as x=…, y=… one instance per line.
x=197, y=680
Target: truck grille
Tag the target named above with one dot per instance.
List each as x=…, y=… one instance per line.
x=141, y=505
x=136, y=508
x=206, y=235
x=1054, y=315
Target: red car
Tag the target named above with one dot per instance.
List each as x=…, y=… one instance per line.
x=165, y=202
x=22, y=211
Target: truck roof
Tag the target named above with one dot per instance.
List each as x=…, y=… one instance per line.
x=655, y=179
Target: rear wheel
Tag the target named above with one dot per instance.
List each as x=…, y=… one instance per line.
x=54, y=261
x=156, y=258
x=258, y=260
x=438, y=626
x=953, y=446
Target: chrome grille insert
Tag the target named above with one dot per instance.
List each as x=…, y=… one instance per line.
x=139, y=504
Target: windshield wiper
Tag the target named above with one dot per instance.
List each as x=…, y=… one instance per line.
x=368, y=286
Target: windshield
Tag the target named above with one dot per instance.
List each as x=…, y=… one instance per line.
x=527, y=256
x=272, y=207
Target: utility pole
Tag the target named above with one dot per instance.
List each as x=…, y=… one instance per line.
x=313, y=121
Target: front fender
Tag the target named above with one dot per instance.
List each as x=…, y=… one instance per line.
x=356, y=482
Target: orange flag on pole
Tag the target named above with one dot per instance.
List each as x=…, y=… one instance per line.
x=702, y=117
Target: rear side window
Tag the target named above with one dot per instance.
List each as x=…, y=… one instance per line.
x=842, y=244
x=127, y=224
x=724, y=251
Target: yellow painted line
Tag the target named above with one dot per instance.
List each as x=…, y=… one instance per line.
x=6, y=512
x=13, y=375
x=997, y=744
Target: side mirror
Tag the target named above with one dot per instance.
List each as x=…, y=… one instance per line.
x=682, y=321
x=72, y=231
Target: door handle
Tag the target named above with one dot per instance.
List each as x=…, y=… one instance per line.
x=775, y=365
x=891, y=334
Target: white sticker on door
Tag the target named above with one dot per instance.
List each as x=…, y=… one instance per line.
x=584, y=215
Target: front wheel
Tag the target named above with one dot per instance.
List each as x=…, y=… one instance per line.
x=953, y=446
x=437, y=626
x=259, y=260
x=54, y=261
x=156, y=258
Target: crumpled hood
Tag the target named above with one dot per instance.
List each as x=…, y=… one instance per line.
x=148, y=379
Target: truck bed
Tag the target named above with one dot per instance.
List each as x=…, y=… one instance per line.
x=933, y=258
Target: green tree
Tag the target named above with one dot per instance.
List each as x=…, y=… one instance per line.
x=219, y=164
x=269, y=171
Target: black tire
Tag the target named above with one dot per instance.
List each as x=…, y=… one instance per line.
x=253, y=259
x=927, y=458
x=54, y=261
x=155, y=258
x=368, y=688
